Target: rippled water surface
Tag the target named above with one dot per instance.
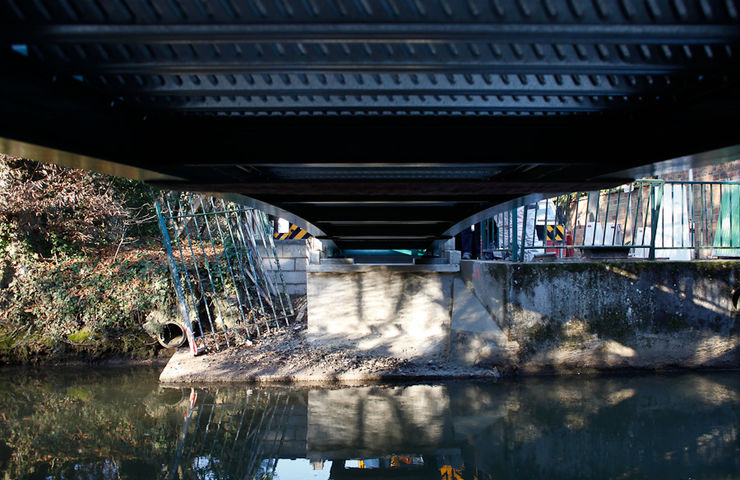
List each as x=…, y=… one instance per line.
x=121, y=424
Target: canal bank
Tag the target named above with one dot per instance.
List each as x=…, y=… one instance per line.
x=484, y=319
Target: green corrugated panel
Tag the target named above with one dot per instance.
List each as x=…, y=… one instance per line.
x=728, y=226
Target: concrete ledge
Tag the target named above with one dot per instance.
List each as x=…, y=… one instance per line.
x=243, y=365
x=336, y=261
x=354, y=268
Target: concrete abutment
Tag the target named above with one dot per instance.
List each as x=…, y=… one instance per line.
x=532, y=317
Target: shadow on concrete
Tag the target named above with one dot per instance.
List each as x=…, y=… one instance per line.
x=613, y=314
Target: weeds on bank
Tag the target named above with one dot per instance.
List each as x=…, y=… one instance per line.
x=80, y=265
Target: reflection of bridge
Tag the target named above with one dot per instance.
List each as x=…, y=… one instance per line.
x=373, y=123
x=537, y=428
x=237, y=433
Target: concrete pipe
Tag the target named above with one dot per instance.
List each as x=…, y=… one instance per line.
x=172, y=335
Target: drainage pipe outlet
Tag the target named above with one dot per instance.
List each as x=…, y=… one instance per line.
x=172, y=335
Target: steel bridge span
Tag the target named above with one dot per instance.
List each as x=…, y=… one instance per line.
x=374, y=124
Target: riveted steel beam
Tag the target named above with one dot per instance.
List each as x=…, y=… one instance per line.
x=447, y=58
x=514, y=11
x=364, y=103
x=396, y=213
x=287, y=84
x=248, y=96
x=385, y=229
x=371, y=33
x=534, y=67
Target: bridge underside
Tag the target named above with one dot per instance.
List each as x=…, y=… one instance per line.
x=375, y=123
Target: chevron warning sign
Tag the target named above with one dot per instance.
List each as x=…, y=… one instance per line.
x=294, y=233
x=556, y=232
x=450, y=473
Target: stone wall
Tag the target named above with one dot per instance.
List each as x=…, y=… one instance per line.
x=571, y=316
x=721, y=172
x=293, y=256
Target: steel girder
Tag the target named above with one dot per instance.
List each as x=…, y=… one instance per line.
x=355, y=115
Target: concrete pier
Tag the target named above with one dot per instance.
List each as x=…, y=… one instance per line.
x=398, y=310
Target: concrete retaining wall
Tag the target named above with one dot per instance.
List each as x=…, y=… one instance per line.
x=533, y=317
x=611, y=314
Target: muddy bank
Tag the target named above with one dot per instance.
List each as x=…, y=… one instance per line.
x=84, y=308
x=112, y=357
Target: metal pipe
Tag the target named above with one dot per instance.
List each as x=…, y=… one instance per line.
x=208, y=271
x=243, y=276
x=183, y=307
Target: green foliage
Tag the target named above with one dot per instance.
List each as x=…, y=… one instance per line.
x=79, y=337
x=83, y=300
x=79, y=270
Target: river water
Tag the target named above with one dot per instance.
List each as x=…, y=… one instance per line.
x=121, y=424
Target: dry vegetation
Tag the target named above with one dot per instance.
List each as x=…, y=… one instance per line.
x=80, y=263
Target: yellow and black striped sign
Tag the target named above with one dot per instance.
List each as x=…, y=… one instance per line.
x=556, y=232
x=294, y=233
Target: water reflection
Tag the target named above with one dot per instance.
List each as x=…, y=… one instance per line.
x=235, y=434
x=103, y=426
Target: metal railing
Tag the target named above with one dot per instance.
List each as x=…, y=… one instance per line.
x=649, y=219
x=225, y=270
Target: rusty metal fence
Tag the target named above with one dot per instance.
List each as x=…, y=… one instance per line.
x=225, y=270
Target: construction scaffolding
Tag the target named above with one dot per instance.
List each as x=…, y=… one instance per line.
x=225, y=270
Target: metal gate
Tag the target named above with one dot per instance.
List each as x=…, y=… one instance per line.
x=225, y=270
